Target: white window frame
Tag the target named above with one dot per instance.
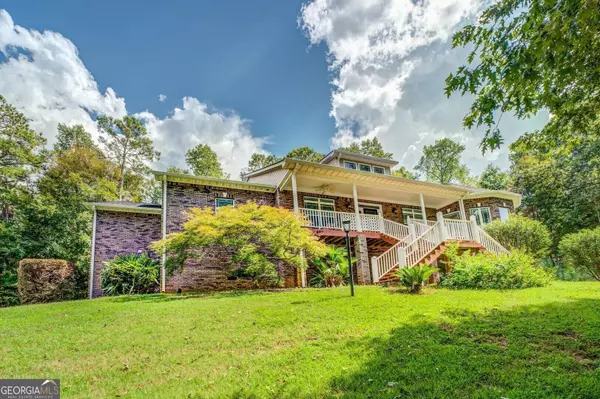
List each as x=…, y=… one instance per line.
x=319, y=201
x=350, y=163
x=375, y=168
x=479, y=218
x=455, y=213
x=217, y=206
x=411, y=213
x=500, y=208
x=369, y=205
x=360, y=165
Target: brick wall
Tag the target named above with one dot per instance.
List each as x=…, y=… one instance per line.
x=121, y=233
x=493, y=203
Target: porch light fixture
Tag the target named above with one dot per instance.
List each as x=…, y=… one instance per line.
x=346, y=226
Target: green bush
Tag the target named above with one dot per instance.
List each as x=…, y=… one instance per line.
x=523, y=234
x=332, y=270
x=581, y=251
x=415, y=277
x=130, y=274
x=44, y=280
x=490, y=271
x=9, y=295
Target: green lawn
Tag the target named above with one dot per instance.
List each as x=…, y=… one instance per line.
x=534, y=343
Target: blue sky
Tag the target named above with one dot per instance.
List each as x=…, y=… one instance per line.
x=244, y=77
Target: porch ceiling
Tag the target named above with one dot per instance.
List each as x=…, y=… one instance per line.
x=366, y=191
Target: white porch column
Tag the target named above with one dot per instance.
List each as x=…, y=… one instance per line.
x=163, y=268
x=411, y=229
x=374, y=269
x=401, y=257
x=356, y=212
x=443, y=231
x=463, y=213
x=475, y=229
x=295, y=191
x=93, y=255
x=423, y=212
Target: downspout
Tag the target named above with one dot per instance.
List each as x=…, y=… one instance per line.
x=93, y=254
x=163, y=271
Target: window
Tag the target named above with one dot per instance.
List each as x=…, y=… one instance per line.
x=410, y=213
x=452, y=215
x=321, y=204
x=219, y=202
x=379, y=169
x=504, y=212
x=482, y=215
x=349, y=165
x=364, y=168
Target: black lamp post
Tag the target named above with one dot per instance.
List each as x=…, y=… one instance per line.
x=346, y=225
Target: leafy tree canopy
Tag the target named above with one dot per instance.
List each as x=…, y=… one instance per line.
x=203, y=162
x=440, y=162
x=128, y=144
x=259, y=236
x=371, y=147
x=73, y=137
x=529, y=55
x=404, y=173
x=259, y=161
x=493, y=178
x=305, y=154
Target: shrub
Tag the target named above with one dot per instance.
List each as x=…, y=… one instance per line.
x=130, y=274
x=495, y=271
x=44, y=280
x=521, y=233
x=413, y=278
x=332, y=270
x=581, y=251
x=9, y=294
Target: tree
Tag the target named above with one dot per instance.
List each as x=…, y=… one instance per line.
x=21, y=156
x=529, y=55
x=369, y=147
x=523, y=234
x=440, y=162
x=259, y=161
x=404, y=173
x=73, y=137
x=305, y=154
x=128, y=144
x=493, y=178
x=203, y=162
x=582, y=251
x=179, y=171
x=260, y=237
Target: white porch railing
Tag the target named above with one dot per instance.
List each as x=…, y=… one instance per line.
x=490, y=244
x=459, y=229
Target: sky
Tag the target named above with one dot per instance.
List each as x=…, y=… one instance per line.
x=245, y=77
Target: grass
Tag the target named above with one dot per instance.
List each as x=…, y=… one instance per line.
x=534, y=343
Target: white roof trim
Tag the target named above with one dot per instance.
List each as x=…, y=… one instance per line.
x=507, y=195
x=213, y=182
x=102, y=206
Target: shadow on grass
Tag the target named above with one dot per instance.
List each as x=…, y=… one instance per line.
x=526, y=352
x=186, y=295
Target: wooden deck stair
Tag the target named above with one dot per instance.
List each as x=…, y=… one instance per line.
x=434, y=255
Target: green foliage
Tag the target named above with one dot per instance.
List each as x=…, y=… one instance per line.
x=203, y=162
x=129, y=145
x=332, y=269
x=521, y=233
x=21, y=156
x=9, y=295
x=73, y=137
x=44, y=280
x=440, y=162
x=581, y=251
x=130, y=274
x=493, y=178
x=489, y=271
x=529, y=55
x=371, y=147
x=305, y=154
x=259, y=236
x=413, y=278
x=259, y=161
x=404, y=173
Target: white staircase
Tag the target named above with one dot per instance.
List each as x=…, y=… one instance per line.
x=423, y=239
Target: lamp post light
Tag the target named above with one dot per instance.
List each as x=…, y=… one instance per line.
x=346, y=225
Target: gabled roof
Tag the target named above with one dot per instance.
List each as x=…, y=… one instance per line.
x=353, y=156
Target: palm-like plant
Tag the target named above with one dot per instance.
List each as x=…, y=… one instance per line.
x=414, y=277
x=332, y=270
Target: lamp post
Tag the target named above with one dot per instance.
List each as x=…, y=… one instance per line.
x=346, y=225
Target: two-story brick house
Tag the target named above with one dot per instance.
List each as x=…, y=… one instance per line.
x=395, y=222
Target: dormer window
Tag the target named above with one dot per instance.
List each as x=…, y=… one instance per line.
x=364, y=168
x=350, y=165
x=379, y=169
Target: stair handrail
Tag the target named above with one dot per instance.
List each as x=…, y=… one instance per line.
x=489, y=243
x=390, y=258
x=418, y=249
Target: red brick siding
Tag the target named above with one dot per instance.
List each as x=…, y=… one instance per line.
x=121, y=233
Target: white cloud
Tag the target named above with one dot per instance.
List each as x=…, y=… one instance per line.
x=390, y=59
x=43, y=76
x=162, y=98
